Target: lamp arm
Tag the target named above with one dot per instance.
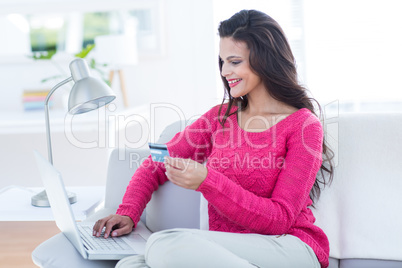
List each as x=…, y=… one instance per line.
x=48, y=138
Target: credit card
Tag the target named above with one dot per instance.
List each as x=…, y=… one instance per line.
x=158, y=152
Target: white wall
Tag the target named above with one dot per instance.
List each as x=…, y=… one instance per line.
x=184, y=78
x=353, y=51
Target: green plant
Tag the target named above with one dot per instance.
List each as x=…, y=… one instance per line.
x=48, y=55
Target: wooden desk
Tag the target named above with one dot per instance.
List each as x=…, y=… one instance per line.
x=20, y=238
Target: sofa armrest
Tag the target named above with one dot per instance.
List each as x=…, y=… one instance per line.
x=122, y=165
x=166, y=209
x=359, y=211
x=172, y=206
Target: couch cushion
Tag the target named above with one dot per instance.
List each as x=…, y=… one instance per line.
x=58, y=252
x=359, y=212
x=360, y=263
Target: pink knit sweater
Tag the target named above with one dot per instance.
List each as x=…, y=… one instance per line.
x=257, y=182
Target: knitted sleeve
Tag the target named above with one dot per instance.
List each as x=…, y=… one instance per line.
x=193, y=142
x=276, y=214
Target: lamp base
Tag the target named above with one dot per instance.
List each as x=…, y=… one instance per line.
x=41, y=199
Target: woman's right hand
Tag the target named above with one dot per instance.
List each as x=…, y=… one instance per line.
x=116, y=225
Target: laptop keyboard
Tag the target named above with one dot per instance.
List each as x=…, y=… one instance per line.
x=101, y=243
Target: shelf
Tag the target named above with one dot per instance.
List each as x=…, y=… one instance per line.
x=15, y=203
x=30, y=122
x=34, y=122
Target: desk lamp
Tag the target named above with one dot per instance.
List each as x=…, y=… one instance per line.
x=87, y=94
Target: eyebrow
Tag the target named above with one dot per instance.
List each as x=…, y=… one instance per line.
x=231, y=57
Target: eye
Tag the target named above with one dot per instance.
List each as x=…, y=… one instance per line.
x=236, y=62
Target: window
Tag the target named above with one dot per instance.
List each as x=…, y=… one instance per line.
x=70, y=31
x=347, y=52
x=46, y=31
x=98, y=23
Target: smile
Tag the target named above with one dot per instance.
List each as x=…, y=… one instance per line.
x=234, y=82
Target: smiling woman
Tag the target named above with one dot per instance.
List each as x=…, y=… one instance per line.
x=258, y=211
x=236, y=69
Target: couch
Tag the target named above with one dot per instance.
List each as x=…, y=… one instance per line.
x=358, y=212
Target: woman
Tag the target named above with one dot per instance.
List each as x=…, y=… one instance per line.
x=263, y=150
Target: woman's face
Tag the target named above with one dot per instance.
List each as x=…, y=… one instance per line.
x=236, y=68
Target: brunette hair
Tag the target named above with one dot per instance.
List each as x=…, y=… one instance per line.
x=272, y=60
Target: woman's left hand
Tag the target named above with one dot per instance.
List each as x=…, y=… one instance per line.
x=185, y=173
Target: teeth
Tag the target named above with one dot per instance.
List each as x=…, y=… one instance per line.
x=234, y=81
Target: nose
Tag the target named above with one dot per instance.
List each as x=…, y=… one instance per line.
x=225, y=72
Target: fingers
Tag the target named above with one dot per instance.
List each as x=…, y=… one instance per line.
x=177, y=176
x=185, y=173
x=177, y=163
x=98, y=227
x=123, y=226
x=122, y=231
x=109, y=226
x=115, y=225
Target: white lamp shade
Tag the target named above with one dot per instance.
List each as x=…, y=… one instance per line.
x=116, y=50
x=88, y=93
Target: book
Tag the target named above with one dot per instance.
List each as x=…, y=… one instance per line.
x=34, y=99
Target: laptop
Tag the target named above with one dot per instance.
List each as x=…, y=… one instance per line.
x=80, y=233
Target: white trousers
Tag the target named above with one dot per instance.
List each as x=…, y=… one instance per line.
x=208, y=249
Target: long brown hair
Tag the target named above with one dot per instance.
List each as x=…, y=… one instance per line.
x=271, y=58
